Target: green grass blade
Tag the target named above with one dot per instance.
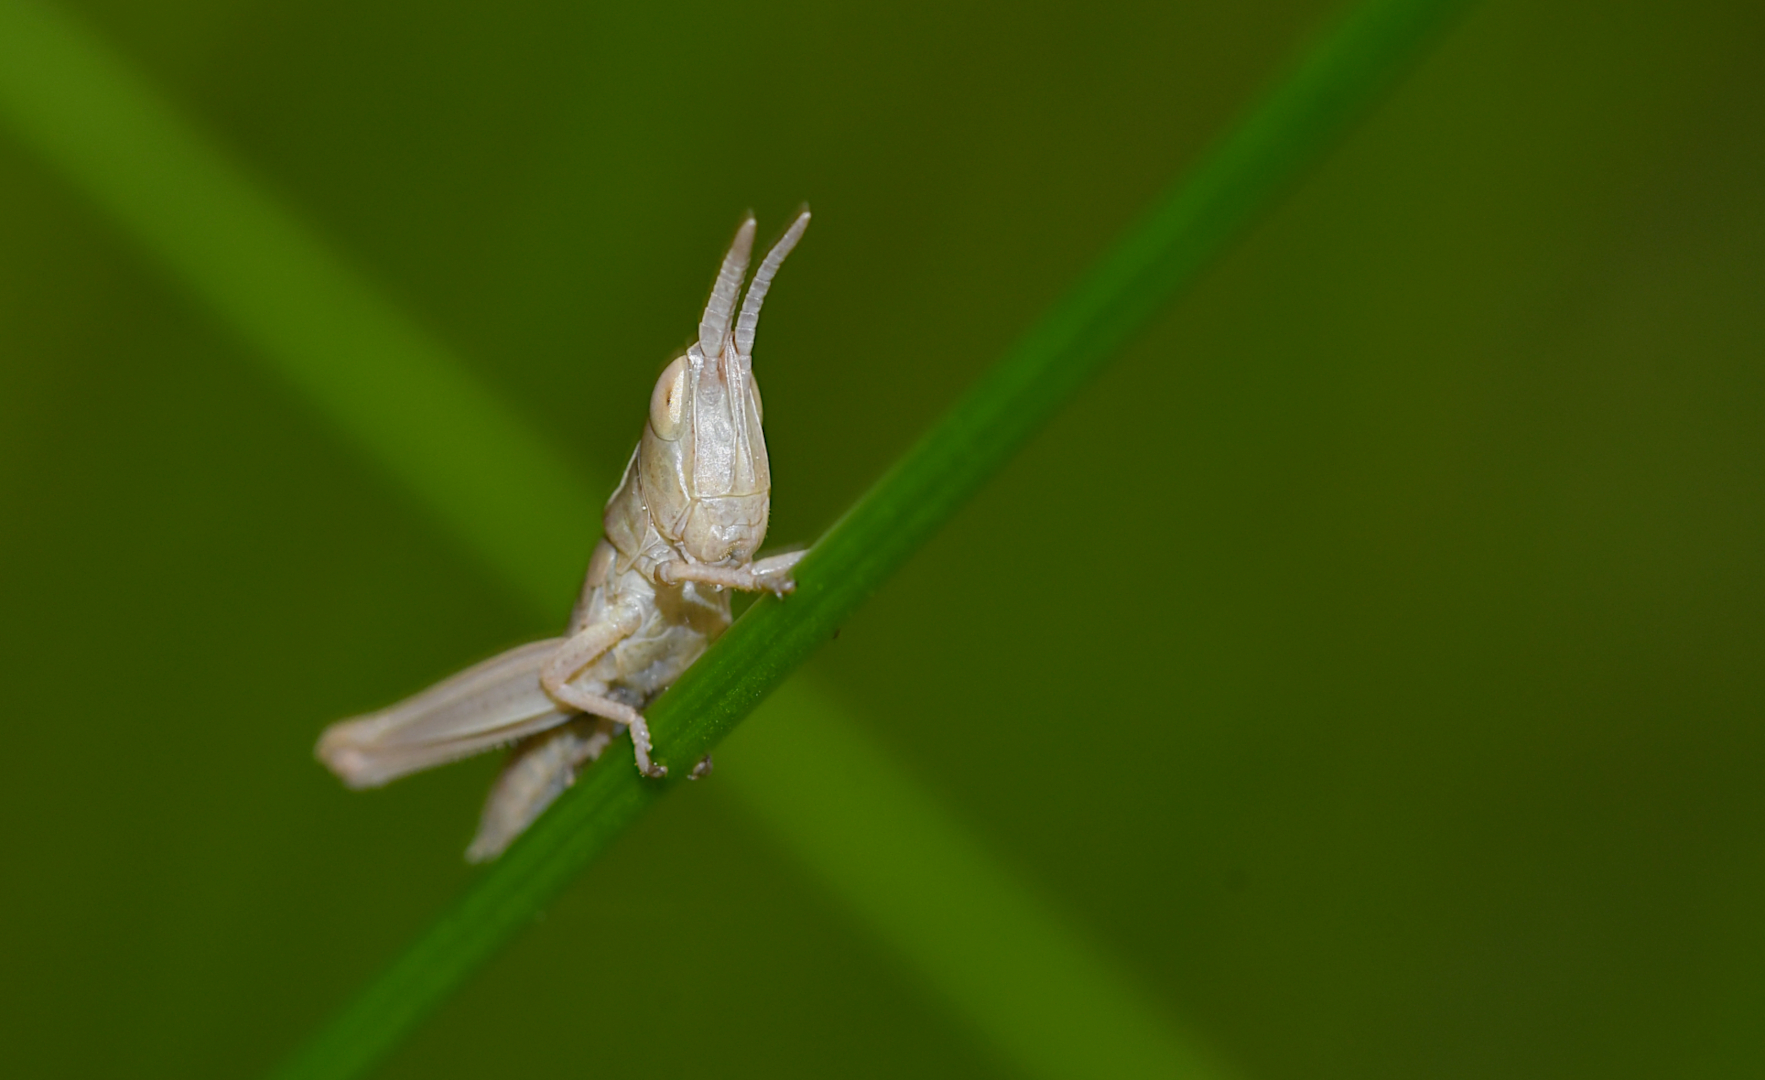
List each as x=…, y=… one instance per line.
x=471, y=462
x=418, y=413
x=1303, y=115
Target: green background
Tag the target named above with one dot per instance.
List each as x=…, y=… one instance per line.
x=1370, y=662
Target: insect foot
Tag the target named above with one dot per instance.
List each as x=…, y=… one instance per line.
x=679, y=533
x=701, y=770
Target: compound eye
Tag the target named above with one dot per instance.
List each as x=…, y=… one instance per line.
x=668, y=402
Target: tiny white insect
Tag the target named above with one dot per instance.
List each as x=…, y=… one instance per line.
x=680, y=531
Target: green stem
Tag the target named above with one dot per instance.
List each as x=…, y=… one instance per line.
x=475, y=464
x=1155, y=259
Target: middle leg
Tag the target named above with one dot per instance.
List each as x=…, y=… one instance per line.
x=597, y=705
x=584, y=649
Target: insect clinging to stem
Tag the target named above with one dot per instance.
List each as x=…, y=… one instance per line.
x=681, y=531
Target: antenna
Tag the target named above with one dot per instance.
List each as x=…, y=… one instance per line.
x=714, y=324
x=750, y=316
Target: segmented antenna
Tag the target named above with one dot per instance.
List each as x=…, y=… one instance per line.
x=750, y=316
x=714, y=324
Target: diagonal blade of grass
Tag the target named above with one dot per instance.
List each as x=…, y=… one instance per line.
x=290, y=297
x=395, y=392
x=415, y=410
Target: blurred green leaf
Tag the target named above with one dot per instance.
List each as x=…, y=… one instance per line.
x=1287, y=132
x=398, y=394
x=383, y=382
x=1052, y=1003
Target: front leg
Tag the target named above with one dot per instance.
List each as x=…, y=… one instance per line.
x=772, y=573
x=584, y=649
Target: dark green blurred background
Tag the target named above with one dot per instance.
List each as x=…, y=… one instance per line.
x=1371, y=661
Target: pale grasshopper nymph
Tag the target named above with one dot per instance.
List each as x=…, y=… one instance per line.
x=680, y=532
